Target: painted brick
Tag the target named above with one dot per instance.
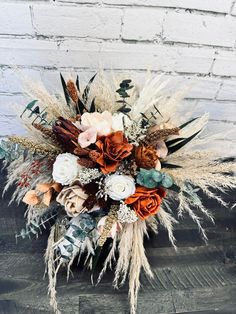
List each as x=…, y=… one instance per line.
x=149, y=25
x=79, y=1
x=227, y=91
x=200, y=29
x=136, y=56
x=225, y=63
x=15, y=19
x=221, y=6
x=12, y=80
x=218, y=110
x=204, y=88
x=234, y=10
x=77, y=21
x=28, y=52
x=9, y=104
x=10, y=125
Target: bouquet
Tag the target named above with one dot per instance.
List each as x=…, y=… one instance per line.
x=105, y=167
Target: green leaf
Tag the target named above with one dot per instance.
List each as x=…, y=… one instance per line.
x=87, y=89
x=176, y=140
x=77, y=83
x=125, y=82
x=175, y=188
x=157, y=110
x=170, y=166
x=187, y=123
x=173, y=149
x=81, y=107
x=124, y=109
x=31, y=105
x=2, y=153
x=92, y=107
x=144, y=116
x=66, y=93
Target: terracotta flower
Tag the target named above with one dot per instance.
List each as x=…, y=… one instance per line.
x=111, y=150
x=145, y=201
x=43, y=193
x=146, y=157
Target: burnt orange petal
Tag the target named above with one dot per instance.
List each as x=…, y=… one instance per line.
x=57, y=187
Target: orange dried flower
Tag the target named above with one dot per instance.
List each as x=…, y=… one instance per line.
x=112, y=149
x=145, y=201
x=43, y=193
x=145, y=157
x=72, y=90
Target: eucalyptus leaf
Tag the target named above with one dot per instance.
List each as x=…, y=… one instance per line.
x=31, y=105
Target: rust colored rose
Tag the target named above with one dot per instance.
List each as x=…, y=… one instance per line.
x=112, y=149
x=145, y=201
x=145, y=157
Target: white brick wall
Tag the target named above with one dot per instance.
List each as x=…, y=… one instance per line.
x=191, y=41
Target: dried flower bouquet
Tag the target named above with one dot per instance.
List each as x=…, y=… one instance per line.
x=101, y=169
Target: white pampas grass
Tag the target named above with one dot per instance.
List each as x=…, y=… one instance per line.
x=148, y=97
x=132, y=259
x=168, y=221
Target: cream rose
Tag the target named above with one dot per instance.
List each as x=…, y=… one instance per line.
x=102, y=122
x=119, y=187
x=65, y=169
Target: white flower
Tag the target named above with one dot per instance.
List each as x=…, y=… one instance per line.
x=65, y=169
x=119, y=187
x=119, y=120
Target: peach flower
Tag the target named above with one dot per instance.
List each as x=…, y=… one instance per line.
x=87, y=137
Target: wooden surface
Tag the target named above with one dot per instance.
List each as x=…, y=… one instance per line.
x=196, y=279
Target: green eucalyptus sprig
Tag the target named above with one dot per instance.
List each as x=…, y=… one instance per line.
x=122, y=91
x=153, y=178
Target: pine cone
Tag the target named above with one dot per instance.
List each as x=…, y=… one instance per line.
x=145, y=157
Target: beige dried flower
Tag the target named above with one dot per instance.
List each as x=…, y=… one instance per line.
x=72, y=198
